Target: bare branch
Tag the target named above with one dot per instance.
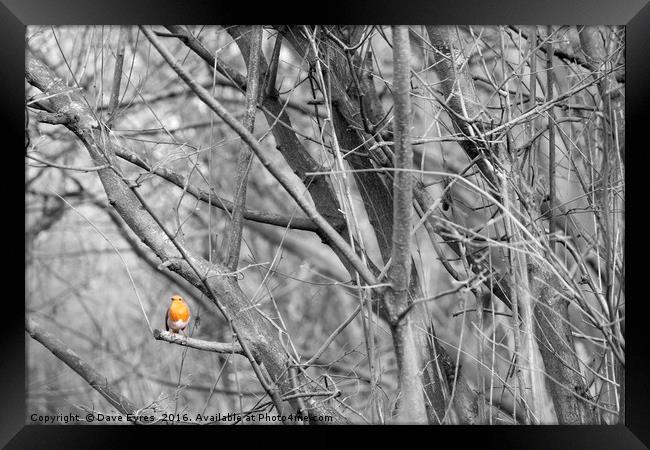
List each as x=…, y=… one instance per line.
x=199, y=344
x=95, y=379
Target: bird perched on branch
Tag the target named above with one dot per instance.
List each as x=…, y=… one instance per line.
x=178, y=315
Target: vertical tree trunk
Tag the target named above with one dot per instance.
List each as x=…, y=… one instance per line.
x=553, y=332
x=411, y=404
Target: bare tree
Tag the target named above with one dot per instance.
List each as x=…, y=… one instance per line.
x=371, y=224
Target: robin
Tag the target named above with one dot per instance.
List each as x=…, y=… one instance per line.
x=178, y=315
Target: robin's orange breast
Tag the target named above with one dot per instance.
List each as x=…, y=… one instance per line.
x=179, y=311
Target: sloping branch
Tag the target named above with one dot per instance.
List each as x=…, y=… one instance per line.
x=95, y=379
x=211, y=198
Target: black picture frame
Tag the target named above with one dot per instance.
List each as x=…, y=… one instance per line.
x=635, y=14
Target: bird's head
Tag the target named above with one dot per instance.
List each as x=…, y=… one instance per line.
x=177, y=299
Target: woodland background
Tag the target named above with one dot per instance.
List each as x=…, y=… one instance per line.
x=374, y=224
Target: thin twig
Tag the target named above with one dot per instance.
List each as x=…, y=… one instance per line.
x=61, y=166
x=117, y=78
